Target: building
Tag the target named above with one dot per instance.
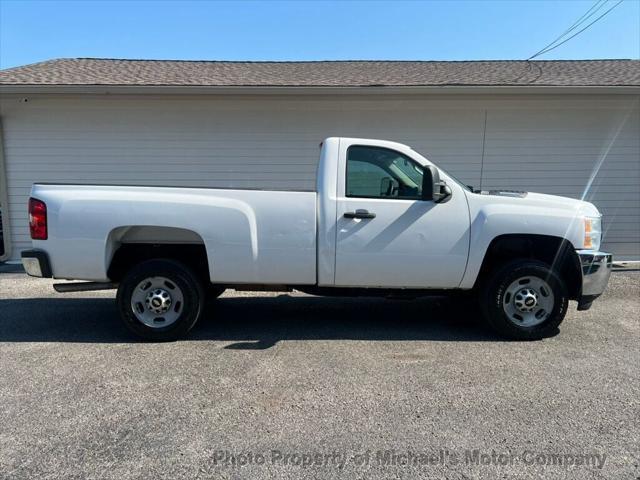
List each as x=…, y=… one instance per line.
x=561, y=127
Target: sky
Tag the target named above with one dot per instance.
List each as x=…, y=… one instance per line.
x=32, y=31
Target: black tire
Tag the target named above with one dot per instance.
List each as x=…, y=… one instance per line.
x=182, y=277
x=494, y=296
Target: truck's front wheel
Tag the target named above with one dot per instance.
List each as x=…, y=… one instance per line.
x=524, y=300
x=160, y=300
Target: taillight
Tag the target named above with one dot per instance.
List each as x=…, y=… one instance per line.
x=37, y=219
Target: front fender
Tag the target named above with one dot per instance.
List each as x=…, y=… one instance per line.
x=490, y=221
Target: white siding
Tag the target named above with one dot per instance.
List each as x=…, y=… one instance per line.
x=589, y=153
x=543, y=143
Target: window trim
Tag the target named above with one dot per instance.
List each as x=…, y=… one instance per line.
x=346, y=176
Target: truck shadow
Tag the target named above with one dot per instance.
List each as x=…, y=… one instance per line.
x=254, y=323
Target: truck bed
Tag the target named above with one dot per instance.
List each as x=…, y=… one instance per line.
x=251, y=236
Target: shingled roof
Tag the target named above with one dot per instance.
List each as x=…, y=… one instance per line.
x=113, y=72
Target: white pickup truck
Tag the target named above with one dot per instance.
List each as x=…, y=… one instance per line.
x=382, y=221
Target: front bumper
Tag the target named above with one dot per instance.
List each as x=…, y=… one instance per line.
x=36, y=263
x=596, y=269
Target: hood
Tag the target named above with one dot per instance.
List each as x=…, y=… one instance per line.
x=542, y=200
x=556, y=201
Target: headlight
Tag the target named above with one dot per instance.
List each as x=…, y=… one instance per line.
x=592, y=232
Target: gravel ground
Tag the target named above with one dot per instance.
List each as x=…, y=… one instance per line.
x=300, y=387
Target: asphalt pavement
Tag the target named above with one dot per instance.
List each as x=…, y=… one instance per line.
x=300, y=387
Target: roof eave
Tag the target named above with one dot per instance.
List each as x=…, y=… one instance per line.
x=283, y=90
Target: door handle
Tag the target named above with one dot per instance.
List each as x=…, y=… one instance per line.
x=360, y=213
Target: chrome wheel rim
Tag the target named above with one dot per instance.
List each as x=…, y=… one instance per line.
x=157, y=302
x=528, y=301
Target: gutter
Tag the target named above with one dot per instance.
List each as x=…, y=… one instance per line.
x=313, y=90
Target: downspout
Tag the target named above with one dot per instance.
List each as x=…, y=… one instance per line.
x=4, y=200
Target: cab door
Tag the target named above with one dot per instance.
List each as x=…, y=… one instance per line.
x=387, y=235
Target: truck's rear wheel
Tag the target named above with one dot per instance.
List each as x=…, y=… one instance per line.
x=524, y=300
x=160, y=300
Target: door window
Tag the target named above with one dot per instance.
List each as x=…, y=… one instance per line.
x=375, y=172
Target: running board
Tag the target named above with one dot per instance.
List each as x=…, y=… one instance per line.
x=83, y=286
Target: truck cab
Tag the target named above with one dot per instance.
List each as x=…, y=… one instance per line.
x=389, y=219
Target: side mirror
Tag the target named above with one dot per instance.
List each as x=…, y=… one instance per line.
x=433, y=188
x=388, y=187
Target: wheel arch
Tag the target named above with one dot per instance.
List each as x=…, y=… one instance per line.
x=557, y=252
x=132, y=244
